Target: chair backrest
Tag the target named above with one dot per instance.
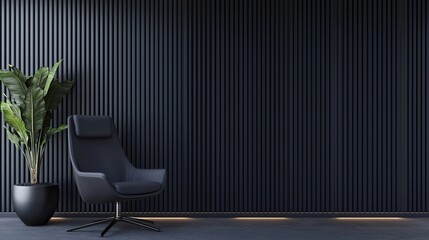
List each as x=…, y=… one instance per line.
x=94, y=147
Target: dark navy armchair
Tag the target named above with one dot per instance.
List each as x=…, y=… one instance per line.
x=102, y=172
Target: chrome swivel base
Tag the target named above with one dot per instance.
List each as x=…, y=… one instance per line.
x=118, y=218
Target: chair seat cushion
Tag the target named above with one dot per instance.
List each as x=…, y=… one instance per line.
x=137, y=187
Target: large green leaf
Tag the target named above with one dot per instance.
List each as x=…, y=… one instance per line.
x=46, y=123
x=51, y=76
x=15, y=108
x=13, y=137
x=18, y=73
x=15, y=84
x=53, y=131
x=40, y=77
x=56, y=92
x=34, y=111
x=13, y=120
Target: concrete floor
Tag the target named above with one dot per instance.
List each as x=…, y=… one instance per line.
x=226, y=228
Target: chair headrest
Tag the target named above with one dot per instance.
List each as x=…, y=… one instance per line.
x=93, y=126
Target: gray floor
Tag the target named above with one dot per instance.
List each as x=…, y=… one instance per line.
x=227, y=228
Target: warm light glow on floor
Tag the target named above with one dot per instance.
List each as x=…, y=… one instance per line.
x=369, y=218
x=165, y=218
x=261, y=218
x=58, y=218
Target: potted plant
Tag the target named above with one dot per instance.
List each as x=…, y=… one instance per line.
x=27, y=112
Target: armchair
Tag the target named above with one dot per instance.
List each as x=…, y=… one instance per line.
x=102, y=172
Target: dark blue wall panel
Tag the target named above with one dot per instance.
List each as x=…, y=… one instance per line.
x=252, y=106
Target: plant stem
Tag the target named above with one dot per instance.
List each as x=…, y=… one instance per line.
x=33, y=175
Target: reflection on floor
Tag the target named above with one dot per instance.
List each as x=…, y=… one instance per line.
x=228, y=228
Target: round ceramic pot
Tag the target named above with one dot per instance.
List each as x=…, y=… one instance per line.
x=35, y=204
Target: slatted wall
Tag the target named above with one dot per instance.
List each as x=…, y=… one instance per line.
x=278, y=106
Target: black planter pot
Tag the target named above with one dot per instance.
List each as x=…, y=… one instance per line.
x=35, y=204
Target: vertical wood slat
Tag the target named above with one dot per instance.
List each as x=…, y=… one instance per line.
x=252, y=106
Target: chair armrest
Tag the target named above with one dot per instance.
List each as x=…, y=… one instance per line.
x=153, y=175
x=94, y=187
